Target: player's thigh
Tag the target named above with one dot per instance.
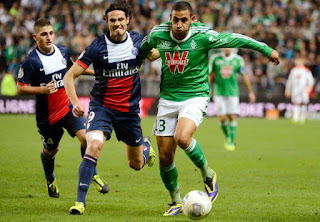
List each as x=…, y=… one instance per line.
x=100, y=119
x=220, y=105
x=127, y=127
x=167, y=117
x=184, y=131
x=232, y=105
x=50, y=135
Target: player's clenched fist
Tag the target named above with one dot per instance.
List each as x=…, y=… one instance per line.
x=78, y=110
x=50, y=88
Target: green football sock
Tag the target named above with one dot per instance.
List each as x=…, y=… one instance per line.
x=224, y=128
x=194, y=152
x=169, y=176
x=233, y=131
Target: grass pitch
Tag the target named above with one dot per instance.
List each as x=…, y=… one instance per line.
x=274, y=175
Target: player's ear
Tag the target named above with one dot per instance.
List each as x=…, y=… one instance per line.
x=34, y=36
x=170, y=17
x=193, y=18
x=128, y=20
x=105, y=19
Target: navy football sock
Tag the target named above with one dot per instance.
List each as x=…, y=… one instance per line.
x=145, y=151
x=83, y=152
x=86, y=171
x=48, y=166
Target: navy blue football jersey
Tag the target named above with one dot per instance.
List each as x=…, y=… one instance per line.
x=117, y=82
x=38, y=69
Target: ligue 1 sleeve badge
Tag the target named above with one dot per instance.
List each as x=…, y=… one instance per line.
x=135, y=51
x=21, y=73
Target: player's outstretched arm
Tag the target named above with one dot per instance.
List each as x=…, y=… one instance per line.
x=49, y=88
x=68, y=80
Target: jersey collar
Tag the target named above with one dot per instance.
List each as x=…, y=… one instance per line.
x=182, y=40
x=54, y=49
x=111, y=40
x=230, y=57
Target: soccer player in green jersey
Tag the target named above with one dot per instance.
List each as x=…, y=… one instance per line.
x=183, y=45
x=224, y=67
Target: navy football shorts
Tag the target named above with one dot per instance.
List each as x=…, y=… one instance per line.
x=52, y=134
x=126, y=125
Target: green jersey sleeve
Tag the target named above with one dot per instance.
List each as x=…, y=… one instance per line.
x=234, y=40
x=145, y=48
x=148, y=42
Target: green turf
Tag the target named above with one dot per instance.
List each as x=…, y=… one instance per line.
x=274, y=175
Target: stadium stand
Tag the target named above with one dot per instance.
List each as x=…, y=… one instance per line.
x=292, y=27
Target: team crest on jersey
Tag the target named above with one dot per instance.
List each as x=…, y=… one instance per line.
x=64, y=61
x=135, y=51
x=193, y=44
x=178, y=60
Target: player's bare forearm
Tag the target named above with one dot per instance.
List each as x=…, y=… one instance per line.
x=287, y=93
x=247, y=82
x=74, y=72
x=49, y=88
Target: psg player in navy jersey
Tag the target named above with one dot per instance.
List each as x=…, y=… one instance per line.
x=41, y=74
x=114, y=102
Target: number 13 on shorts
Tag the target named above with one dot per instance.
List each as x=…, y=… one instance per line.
x=164, y=126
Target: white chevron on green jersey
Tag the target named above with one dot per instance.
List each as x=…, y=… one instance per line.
x=226, y=70
x=185, y=62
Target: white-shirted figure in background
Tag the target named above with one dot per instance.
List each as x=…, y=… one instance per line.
x=298, y=87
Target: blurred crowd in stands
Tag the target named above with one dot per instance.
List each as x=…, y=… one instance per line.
x=292, y=27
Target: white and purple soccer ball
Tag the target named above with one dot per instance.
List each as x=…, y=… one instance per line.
x=196, y=205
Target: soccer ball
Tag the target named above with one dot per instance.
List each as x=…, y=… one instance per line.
x=196, y=205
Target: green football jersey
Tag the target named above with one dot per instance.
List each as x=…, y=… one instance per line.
x=226, y=70
x=185, y=62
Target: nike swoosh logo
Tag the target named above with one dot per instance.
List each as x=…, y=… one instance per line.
x=83, y=184
x=41, y=69
x=137, y=141
x=105, y=57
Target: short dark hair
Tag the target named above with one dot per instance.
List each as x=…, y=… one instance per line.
x=121, y=5
x=181, y=6
x=40, y=23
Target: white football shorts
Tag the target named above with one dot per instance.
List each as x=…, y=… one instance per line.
x=170, y=111
x=226, y=105
x=302, y=98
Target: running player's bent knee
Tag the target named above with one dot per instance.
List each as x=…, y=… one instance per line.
x=50, y=152
x=135, y=164
x=183, y=141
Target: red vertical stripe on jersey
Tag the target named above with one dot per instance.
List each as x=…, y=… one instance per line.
x=118, y=93
x=58, y=105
